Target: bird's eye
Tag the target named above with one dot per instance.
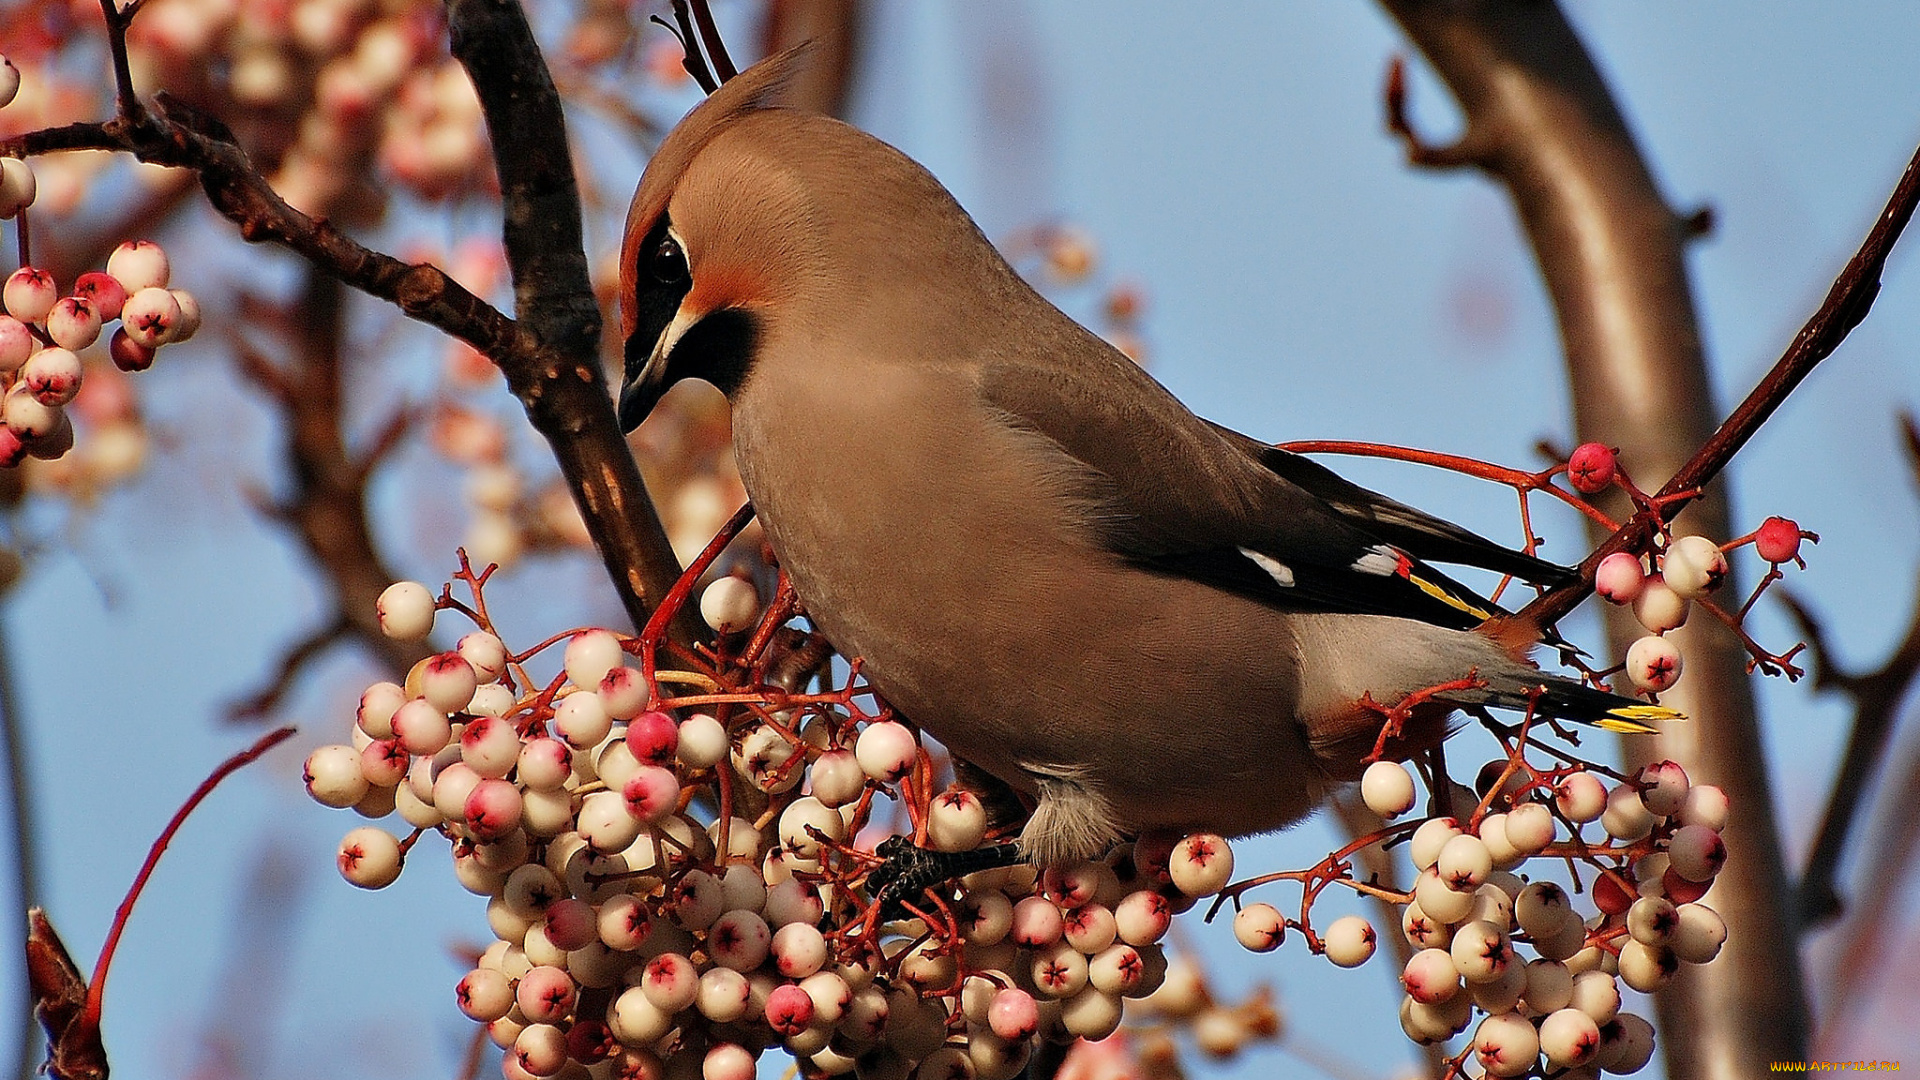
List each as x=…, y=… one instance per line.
x=669, y=262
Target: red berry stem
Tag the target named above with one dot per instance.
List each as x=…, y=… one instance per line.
x=96, y=987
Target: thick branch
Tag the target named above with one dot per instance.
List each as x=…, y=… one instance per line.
x=565, y=393
x=1610, y=250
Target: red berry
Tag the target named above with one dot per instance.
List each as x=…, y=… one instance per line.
x=1591, y=467
x=1778, y=540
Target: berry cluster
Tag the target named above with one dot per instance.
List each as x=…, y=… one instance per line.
x=682, y=881
x=639, y=920
x=1472, y=918
x=43, y=334
x=1685, y=570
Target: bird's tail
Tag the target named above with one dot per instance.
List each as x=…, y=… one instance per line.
x=1555, y=698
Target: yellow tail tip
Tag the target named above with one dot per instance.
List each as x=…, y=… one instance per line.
x=1636, y=719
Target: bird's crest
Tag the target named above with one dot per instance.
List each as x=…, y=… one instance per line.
x=759, y=87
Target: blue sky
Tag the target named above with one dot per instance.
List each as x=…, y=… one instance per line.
x=1301, y=282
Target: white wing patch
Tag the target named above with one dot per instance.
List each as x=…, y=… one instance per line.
x=1280, y=572
x=1379, y=560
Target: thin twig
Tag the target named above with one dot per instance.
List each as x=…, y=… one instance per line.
x=1847, y=302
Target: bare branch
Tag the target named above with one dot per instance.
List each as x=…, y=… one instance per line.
x=1876, y=696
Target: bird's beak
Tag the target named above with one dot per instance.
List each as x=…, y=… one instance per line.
x=646, y=383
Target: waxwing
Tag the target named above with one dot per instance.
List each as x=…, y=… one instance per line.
x=1135, y=618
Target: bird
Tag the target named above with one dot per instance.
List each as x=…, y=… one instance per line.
x=1140, y=621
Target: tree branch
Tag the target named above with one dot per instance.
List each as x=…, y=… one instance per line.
x=565, y=394
x=1610, y=250
x=1876, y=699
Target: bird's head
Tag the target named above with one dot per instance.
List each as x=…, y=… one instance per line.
x=756, y=225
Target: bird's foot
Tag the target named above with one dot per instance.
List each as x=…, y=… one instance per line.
x=910, y=870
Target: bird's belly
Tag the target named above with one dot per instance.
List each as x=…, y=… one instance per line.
x=983, y=613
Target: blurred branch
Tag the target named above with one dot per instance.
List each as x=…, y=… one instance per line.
x=327, y=508
x=1876, y=697
x=1541, y=120
x=566, y=398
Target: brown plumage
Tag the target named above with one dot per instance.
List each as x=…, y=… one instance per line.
x=1139, y=619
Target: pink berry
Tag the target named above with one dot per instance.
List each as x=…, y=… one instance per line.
x=545, y=763
x=493, y=809
x=1653, y=663
x=1430, y=976
x=799, y=950
x=1663, y=788
x=1569, y=1038
x=1142, y=917
x=837, y=777
x=653, y=737
x=1350, y=941
x=789, y=1010
x=1619, y=578
x=29, y=418
x=739, y=940
x=150, y=317
x=448, y=681
x=624, y=693
x=1387, y=788
x=421, y=728
x=886, y=750
x=545, y=994
x=333, y=776
x=1696, y=853
x=29, y=294
x=624, y=923
x=103, y=291
x=16, y=343
x=1037, y=922
x=139, y=264
x=18, y=185
x=484, y=995
x=727, y=1061
x=1693, y=566
x=490, y=746
x=652, y=794
x=956, y=821
x=1506, y=1045
x=73, y=323
x=1259, y=927
x=52, y=376
x=369, y=857
x=590, y=655
x=383, y=763
x=128, y=354
x=539, y=1050
x=1581, y=797
x=378, y=703
x=1013, y=1015
x=406, y=611
x=189, y=323
x=485, y=653
x=1060, y=970
x=1591, y=468
x=1202, y=864
x=1658, y=607
x=670, y=981
x=1778, y=540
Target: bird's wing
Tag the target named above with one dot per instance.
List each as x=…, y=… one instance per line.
x=1177, y=496
x=1416, y=531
